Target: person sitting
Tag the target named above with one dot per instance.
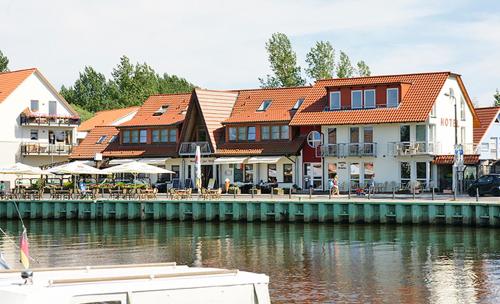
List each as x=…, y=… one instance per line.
x=83, y=188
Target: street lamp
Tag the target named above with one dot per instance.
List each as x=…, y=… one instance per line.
x=451, y=95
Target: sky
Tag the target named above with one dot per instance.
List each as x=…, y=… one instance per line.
x=220, y=44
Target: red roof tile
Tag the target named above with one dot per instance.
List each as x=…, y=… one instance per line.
x=89, y=146
x=125, y=151
x=415, y=105
x=469, y=159
x=282, y=102
x=177, y=105
x=9, y=81
x=106, y=118
x=291, y=147
x=486, y=116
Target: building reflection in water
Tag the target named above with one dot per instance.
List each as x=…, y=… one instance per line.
x=306, y=262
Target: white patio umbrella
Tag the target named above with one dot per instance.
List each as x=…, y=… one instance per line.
x=136, y=168
x=75, y=168
x=22, y=169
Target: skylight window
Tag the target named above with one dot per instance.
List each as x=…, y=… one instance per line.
x=101, y=139
x=113, y=139
x=161, y=110
x=298, y=103
x=498, y=119
x=265, y=105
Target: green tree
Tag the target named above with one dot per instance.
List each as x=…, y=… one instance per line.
x=344, y=66
x=320, y=60
x=497, y=98
x=4, y=63
x=84, y=114
x=363, y=69
x=283, y=61
x=170, y=84
x=90, y=91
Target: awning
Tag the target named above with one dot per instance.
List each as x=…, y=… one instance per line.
x=469, y=159
x=159, y=161
x=229, y=160
x=264, y=159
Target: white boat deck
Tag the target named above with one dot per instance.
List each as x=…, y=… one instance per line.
x=148, y=283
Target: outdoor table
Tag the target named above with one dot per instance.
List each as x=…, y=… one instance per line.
x=115, y=193
x=61, y=194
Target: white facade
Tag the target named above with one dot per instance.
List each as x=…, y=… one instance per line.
x=36, y=142
x=489, y=146
x=387, y=152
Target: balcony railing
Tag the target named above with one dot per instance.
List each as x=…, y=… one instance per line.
x=189, y=148
x=45, y=149
x=407, y=148
x=49, y=120
x=347, y=149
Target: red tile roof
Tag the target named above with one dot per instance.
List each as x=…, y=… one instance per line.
x=291, y=147
x=415, y=105
x=126, y=151
x=89, y=146
x=177, y=105
x=469, y=159
x=486, y=116
x=282, y=102
x=9, y=81
x=106, y=118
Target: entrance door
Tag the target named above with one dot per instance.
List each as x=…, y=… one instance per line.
x=206, y=174
x=313, y=176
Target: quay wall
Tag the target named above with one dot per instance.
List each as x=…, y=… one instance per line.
x=434, y=213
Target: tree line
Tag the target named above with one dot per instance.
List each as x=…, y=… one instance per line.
x=321, y=64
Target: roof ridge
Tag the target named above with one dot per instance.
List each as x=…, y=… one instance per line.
x=484, y=108
x=386, y=75
x=16, y=71
x=110, y=110
x=169, y=94
x=273, y=89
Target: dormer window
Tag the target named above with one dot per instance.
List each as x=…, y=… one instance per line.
x=264, y=105
x=101, y=139
x=498, y=119
x=356, y=99
x=298, y=103
x=161, y=110
x=335, y=100
x=392, y=98
x=369, y=99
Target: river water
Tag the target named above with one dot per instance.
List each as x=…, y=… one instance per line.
x=307, y=263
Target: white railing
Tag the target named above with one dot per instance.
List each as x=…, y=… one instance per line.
x=404, y=148
x=189, y=148
x=45, y=149
x=347, y=149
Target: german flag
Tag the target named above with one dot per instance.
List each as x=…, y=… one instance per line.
x=25, y=251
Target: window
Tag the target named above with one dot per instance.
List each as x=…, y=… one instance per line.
x=356, y=99
x=34, y=106
x=163, y=135
x=264, y=105
x=237, y=173
x=155, y=136
x=101, y=139
x=314, y=139
x=485, y=147
x=462, y=109
x=34, y=134
x=161, y=110
x=134, y=138
x=354, y=174
x=251, y=133
x=420, y=133
x=272, y=176
x=404, y=133
x=462, y=135
x=284, y=132
x=493, y=145
x=368, y=134
x=335, y=100
x=232, y=134
x=275, y=132
x=354, y=135
x=287, y=173
x=264, y=130
x=113, y=139
x=126, y=137
x=249, y=173
x=143, y=136
x=52, y=107
x=432, y=132
x=369, y=99
x=173, y=135
x=176, y=169
x=368, y=172
x=405, y=172
x=421, y=171
x=242, y=133
x=298, y=103
x=392, y=97
x=433, y=110
x=332, y=136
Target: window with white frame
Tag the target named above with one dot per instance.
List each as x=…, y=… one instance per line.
x=356, y=99
x=34, y=134
x=335, y=100
x=34, y=106
x=314, y=139
x=369, y=99
x=232, y=134
x=462, y=109
x=392, y=97
x=405, y=173
x=421, y=171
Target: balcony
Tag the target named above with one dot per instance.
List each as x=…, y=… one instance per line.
x=189, y=148
x=45, y=149
x=348, y=149
x=48, y=120
x=413, y=148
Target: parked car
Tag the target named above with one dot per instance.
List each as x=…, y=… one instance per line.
x=486, y=184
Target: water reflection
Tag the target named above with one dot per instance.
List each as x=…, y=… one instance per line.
x=306, y=262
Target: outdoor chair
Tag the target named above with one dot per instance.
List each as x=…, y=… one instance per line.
x=211, y=184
